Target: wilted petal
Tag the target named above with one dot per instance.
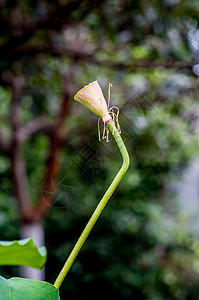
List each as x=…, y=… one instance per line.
x=92, y=97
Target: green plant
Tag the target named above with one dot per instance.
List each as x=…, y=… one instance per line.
x=92, y=97
x=22, y=253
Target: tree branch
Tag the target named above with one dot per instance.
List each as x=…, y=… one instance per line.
x=18, y=166
x=20, y=134
x=39, y=124
x=54, y=160
x=58, y=18
x=79, y=54
x=132, y=67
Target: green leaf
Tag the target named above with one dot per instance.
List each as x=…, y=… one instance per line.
x=22, y=289
x=22, y=253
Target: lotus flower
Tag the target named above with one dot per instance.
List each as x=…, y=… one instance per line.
x=92, y=97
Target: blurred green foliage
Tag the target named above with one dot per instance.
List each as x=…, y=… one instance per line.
x=143, y=246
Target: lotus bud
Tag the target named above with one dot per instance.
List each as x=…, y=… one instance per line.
x=92, y=97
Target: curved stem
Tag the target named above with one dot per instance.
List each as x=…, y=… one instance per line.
x=98, y=209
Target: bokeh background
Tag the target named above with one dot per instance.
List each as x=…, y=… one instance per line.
x=53, y=169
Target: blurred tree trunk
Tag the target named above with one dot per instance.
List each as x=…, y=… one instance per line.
x=36, y=231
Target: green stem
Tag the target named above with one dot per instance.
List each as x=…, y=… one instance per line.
x=98, y=209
